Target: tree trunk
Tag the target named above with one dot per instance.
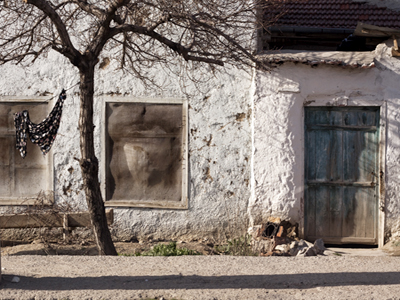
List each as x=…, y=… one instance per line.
x=90, y=164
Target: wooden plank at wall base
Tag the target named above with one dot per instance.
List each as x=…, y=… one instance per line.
x=83, y=219
x=31, y=220
x=75, y=219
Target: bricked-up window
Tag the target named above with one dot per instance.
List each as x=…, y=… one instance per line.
x=22, y=179
x=145, y=154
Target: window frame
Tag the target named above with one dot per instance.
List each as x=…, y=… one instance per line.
x=47, y=195
x=163, y=204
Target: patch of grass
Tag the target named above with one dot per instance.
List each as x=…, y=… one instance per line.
x=337, y=254
x=240, y=246
x=167, y=250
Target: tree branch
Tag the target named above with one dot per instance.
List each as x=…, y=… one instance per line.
x=176, y=47
x=90, y=8
x=103, y=35
x=227, y=38
x=68, y=48
x=164, y=19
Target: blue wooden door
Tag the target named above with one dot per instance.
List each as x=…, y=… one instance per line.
x=341, y=174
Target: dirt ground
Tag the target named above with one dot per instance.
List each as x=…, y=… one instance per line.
x=130, y=249
x=39, y=247
x=46, y=271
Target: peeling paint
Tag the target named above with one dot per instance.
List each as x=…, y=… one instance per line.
x=306, y=103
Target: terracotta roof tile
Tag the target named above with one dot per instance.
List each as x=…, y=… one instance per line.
x=336, y=14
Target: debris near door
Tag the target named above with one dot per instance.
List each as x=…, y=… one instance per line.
x=280, y=238
x=304, y=248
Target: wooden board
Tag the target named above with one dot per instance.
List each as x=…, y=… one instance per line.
x=76, y=219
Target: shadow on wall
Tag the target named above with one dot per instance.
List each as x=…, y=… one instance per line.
x=389, y=81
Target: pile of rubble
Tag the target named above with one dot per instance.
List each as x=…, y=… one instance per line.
x=280, y=238
x=301, y=248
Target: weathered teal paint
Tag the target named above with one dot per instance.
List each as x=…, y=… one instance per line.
x=341, y=167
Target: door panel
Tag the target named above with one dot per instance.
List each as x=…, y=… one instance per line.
x=341, y=163
x=335, y=210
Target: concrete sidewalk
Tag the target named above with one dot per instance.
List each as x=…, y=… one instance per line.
x=201, y=277
x=340, y=251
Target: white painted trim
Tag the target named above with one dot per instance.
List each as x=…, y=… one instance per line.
x=165, y=204
x=252, y=199
x=143, y=100
x=44, y=99
x=49, y=200
x=302, y=192
x=319, y=100
x=382, y=172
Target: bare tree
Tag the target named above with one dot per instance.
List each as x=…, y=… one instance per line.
x=140, y=34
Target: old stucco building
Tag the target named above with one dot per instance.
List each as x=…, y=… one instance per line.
x=316, y=141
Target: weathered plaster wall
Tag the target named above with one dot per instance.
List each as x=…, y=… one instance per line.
x=389, y=79
x=279, y=98
x=219, y=144
x=246, y=146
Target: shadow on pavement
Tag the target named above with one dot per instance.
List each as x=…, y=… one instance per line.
x=280, y=281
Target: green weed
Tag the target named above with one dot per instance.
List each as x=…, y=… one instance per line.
x=240, y=246
x=167, y=250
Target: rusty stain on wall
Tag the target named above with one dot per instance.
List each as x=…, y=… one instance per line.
x=207, y=175
x=67, y=189
x=104, y=64
x=240, y=117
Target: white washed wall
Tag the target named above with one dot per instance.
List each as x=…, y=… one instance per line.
x=219, y=145
x=246, y=146
x=279, y=98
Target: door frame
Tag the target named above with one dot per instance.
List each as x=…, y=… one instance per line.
x=351, y=102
